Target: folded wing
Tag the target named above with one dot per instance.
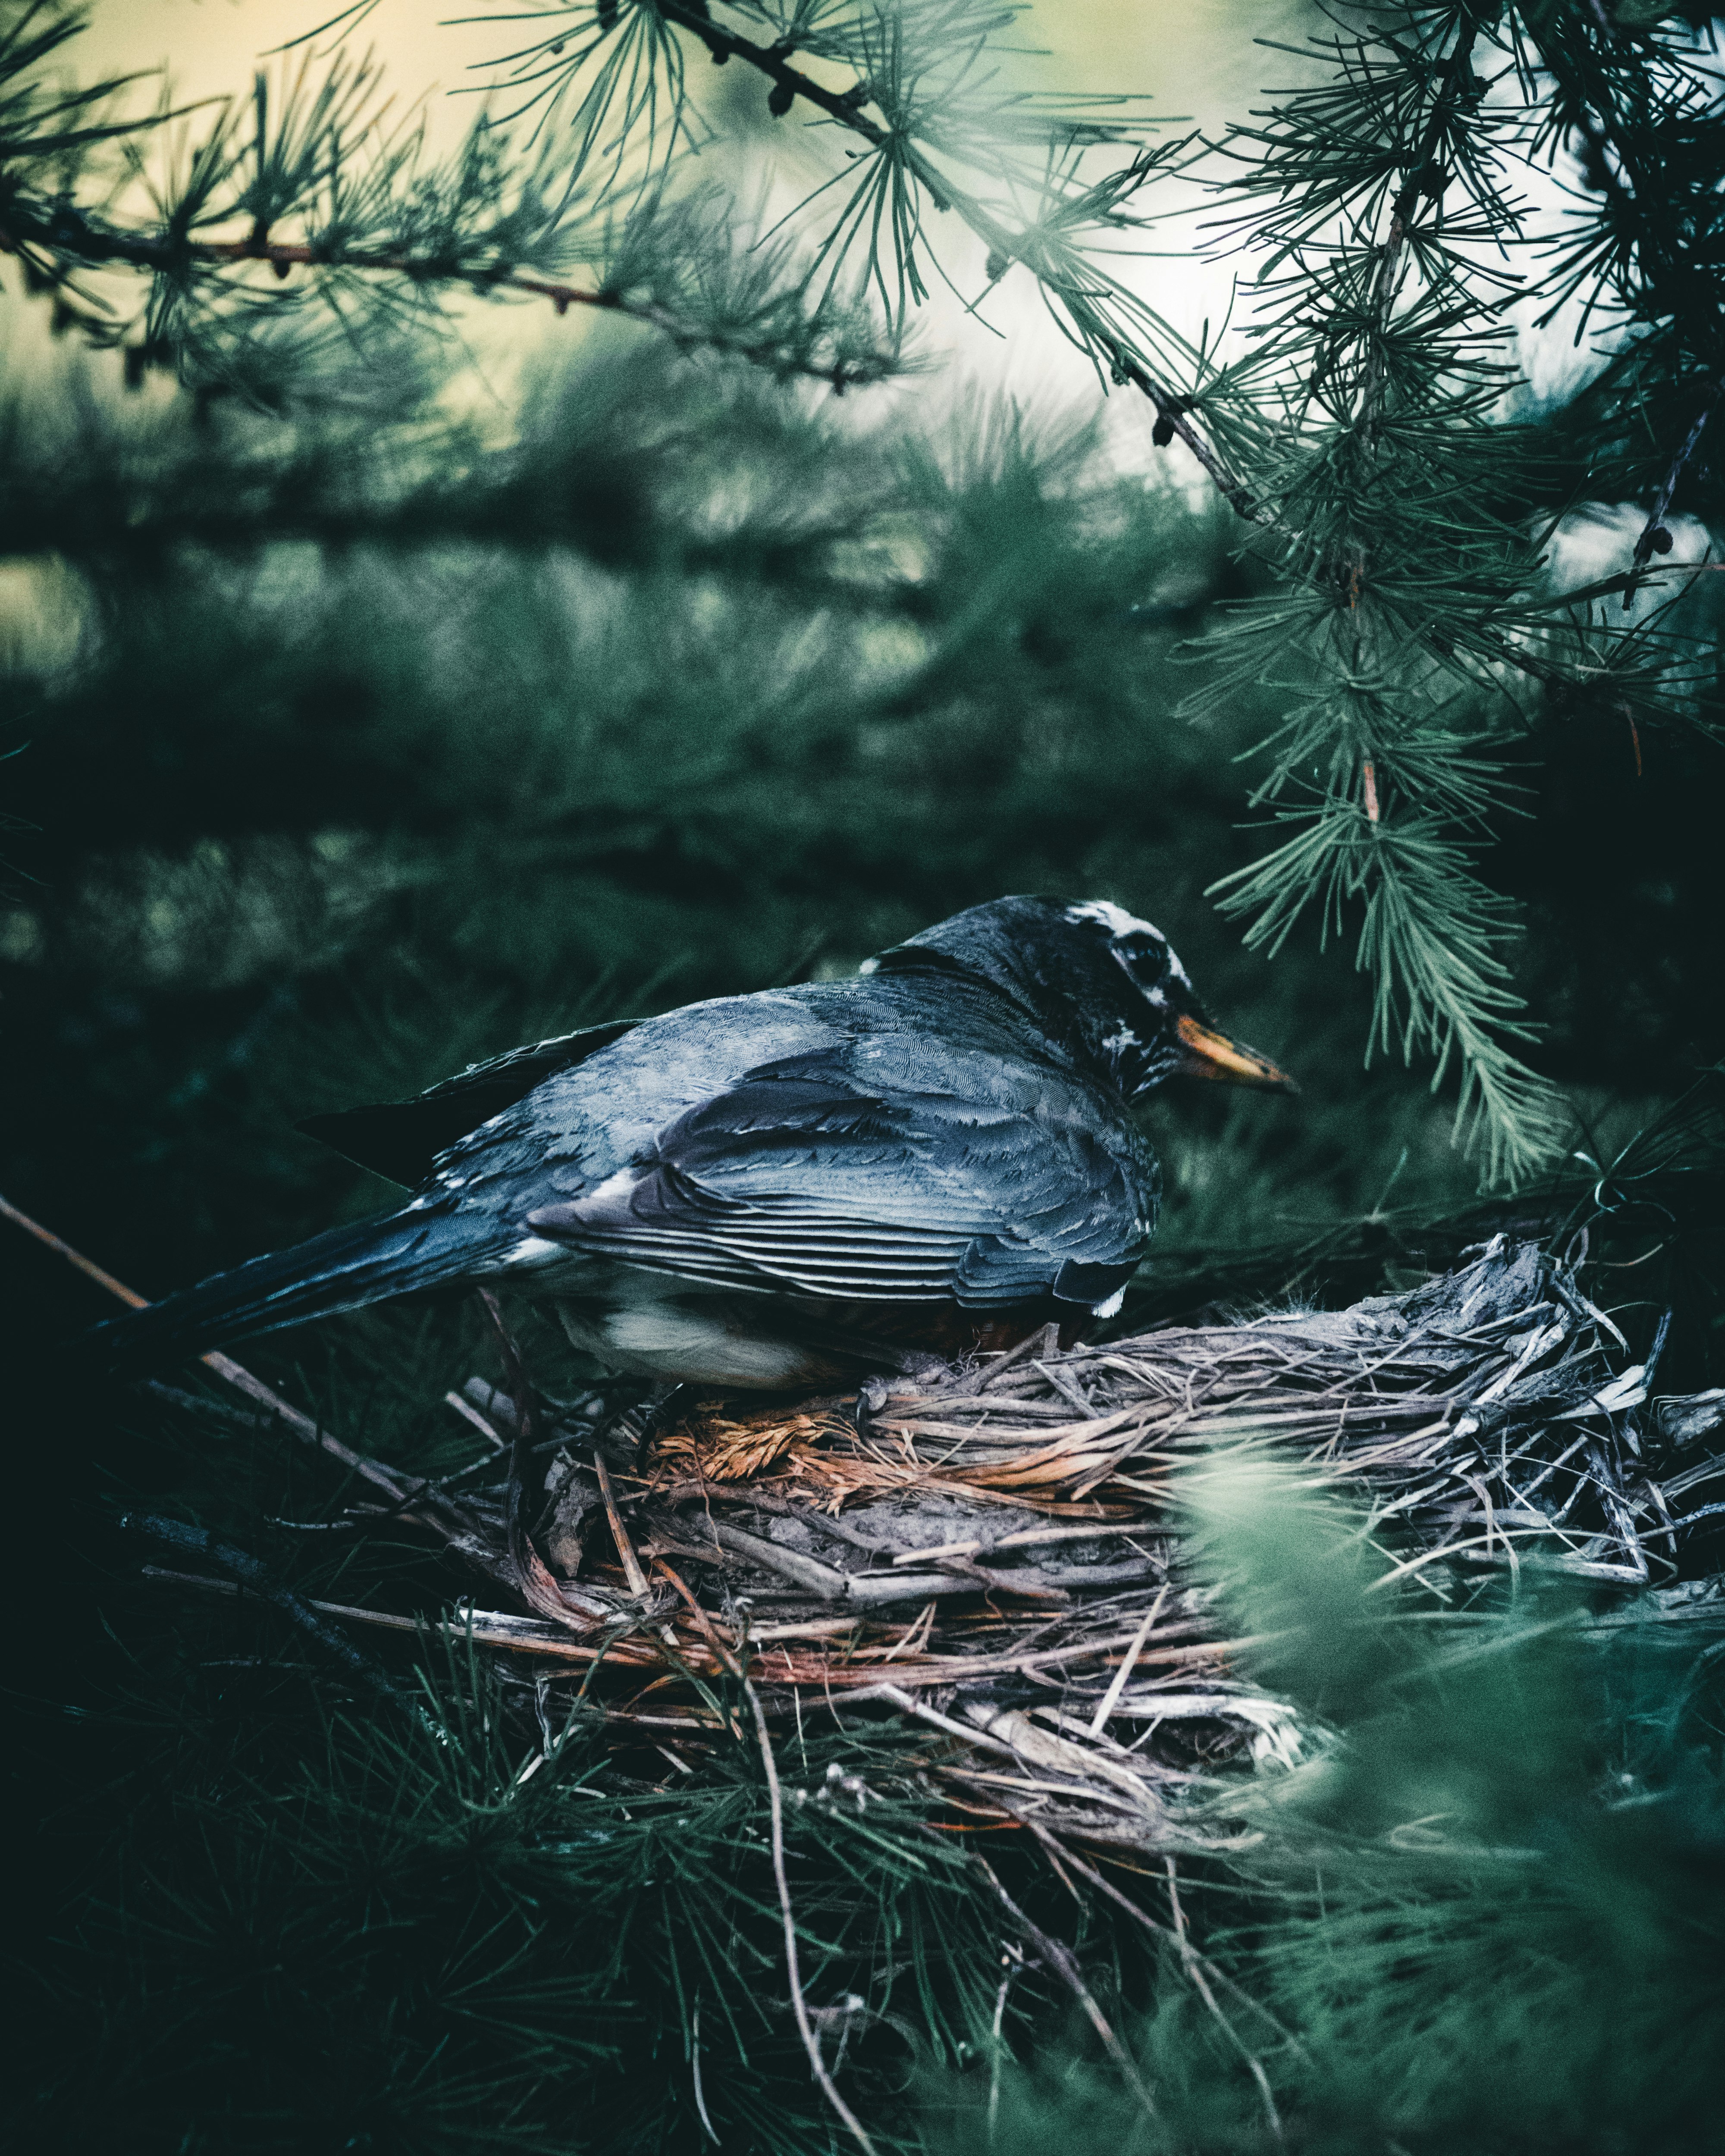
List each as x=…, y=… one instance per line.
x=799, y=1181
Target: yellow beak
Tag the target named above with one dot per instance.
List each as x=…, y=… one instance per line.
x=1211, y=1055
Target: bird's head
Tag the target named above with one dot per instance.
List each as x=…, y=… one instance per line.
x=1097, y=978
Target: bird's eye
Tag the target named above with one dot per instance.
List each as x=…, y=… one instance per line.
x=1144, y=959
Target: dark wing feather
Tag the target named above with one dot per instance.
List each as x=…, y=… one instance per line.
x=401, y=1139
x=800, y=1183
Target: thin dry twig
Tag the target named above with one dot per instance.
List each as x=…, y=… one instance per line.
x=1059, y=1958
x=234, y=1373
x=1110, y=1698
x=257, y=1579
x=799, y=2008
x=631, y=1564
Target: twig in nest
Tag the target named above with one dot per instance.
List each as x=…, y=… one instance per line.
x=533, y=1579
x=860, y=1589
x=1194, y=1964
x=708, y=1629
x=1110, y=1698
x=828, y=2088
x=1189, y=1953
x=1198, y=1970
x=631, y=1564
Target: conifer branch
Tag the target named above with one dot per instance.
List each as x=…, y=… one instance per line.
x=1005, y=244
x=1425, y=178
x=1652, y=136
x=1381, y=459
x=256, y=1579
x=47, y=242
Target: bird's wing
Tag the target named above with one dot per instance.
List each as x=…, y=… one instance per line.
x=401, y=1139
x=802, y=1180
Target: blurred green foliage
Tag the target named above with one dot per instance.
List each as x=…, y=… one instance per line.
x=1487, y=1917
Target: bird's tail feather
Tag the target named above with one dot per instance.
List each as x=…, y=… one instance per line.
x=344, y=1268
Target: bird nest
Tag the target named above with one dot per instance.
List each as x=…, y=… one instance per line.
x=1000, y=1551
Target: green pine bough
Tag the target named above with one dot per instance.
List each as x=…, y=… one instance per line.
x=1439, y=165
x=1408, y=621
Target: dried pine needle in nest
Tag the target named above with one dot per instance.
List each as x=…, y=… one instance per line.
x=998, y=1552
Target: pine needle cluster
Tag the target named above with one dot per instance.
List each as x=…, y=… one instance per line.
x=1389, y=210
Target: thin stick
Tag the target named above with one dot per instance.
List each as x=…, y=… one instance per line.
x=708, y=1629
x=632, y=1571
x=1042, y=1341
x=487, y=1627
x=828, y=2088
x=1059, y=1957
x=1164, y=1932
x=469, y=1413
x=695, y=2075
x=530, y=1576
x=235, y=1373
x=86, y=1266
x=1012, y=1960
x=1189, y=1960
x=1025, y=1539
x=977, y=1738
x=199, y=1542
x=1110, y=1698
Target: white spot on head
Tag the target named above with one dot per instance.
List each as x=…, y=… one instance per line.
x=1111, y=1308
x=1114, y=918
x=1126, y=1038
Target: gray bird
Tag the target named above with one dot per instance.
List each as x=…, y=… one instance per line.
x=787, y=1189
